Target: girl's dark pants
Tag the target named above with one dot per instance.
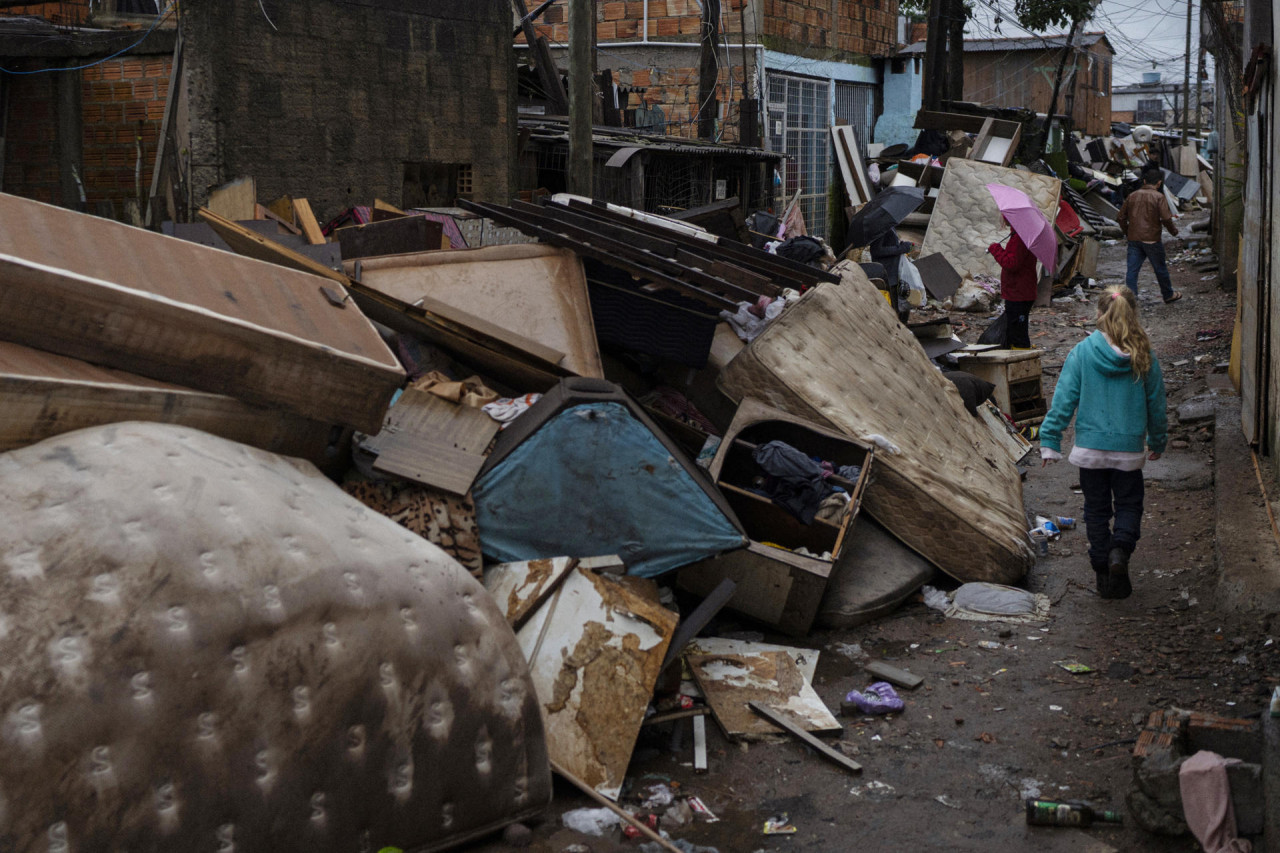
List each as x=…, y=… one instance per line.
x=1109, y=494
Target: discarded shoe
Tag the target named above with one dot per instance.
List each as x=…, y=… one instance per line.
x=1118, y=585
x=879, y=698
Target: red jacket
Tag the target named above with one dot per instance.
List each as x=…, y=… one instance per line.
x=1017, y=270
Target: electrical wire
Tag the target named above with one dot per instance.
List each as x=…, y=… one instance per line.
x=159, y=19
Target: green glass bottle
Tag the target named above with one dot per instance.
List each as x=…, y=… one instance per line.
x=1071, y=813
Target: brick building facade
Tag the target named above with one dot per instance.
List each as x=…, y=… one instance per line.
x=84, y=137
x=797, y=66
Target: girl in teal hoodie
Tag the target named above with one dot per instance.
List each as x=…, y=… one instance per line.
x=1111, y=382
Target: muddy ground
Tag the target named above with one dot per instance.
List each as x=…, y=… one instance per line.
x=990, y=727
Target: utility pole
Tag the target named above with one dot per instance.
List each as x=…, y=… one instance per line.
x=1057, y=84
x=1186, y=77
x=1199, y=82
x=581, y=97
x=935, y=50
x=708, y=70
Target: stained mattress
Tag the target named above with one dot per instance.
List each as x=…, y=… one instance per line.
x=840, y=358
x=205, y=646
x=965, y=219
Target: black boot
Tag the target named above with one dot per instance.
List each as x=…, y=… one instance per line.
x=1118, y=585
x=1102, y=573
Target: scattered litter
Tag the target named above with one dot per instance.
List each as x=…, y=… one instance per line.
x=659, y=795
x=988, y=644
x=990, y=602
x=936, y=599
x=590, y=821
x=1074, y=666
x=879, y=698
x=700, y=808
x=780, y=825
x=946, y=801
x=852, y=651
x=1243, y=659
x=1055, y=707
x=874, y=791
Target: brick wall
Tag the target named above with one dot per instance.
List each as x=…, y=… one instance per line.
x=72, y=12
x=123, y=105
x=338, y=100
x=31, y=144
x=849, y=28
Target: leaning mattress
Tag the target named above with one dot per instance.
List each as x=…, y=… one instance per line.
x=841, y=358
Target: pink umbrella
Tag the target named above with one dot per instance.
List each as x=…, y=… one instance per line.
x=1028, y=222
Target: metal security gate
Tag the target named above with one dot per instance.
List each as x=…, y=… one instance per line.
x=855, y=106
x=799, y=115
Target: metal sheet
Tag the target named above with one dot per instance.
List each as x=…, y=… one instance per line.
x=730, y=682
x=535, y=291
x=594, y=651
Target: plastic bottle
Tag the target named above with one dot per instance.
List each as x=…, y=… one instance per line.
x=1071, y=813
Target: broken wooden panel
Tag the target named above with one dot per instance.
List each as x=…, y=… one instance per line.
x=530, y=291
x=43, y=394
x=167, y=309
x=245, y=240
x=594, y=651
x=433, y=441
x=398, y=236
x=731, y=682
x=520, y=588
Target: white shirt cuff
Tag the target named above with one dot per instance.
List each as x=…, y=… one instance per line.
x=1050, y=455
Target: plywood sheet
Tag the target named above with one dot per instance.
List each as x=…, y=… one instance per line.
x=43, y=394
x=520, y=588
x=730, y=682
x=433, y=441
x=950, y=471
x=134, y=300
x=965, y=219
x=595, y=650
x=534, y=291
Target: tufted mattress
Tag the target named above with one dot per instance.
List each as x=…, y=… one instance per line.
x=204, y=646
x=966, y=220
x=840, y=358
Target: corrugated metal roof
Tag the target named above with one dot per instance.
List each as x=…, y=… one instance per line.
x=1022, y=43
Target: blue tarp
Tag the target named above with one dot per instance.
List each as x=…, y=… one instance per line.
x=594, y=480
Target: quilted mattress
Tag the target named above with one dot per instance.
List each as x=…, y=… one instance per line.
x=204, y=646
x=965, y=219
x=841, y=358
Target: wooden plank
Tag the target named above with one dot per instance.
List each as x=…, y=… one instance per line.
x=730, y=682
x=608, y=635
x=46, y=394
x=520, y=588
x=700, y=744
x=431, y=464
x=235, y=199
x=774, y=716
x=673, y=716
x=171, y=310
x=398, y=236
x=307, y=221
x=433, y=441
x=262, y=212
x=254, y=245
x=894, y=675
x=283, y=209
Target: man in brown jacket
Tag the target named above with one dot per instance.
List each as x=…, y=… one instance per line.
x=1140, y=217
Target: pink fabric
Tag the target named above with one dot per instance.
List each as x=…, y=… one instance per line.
x=1206, y=803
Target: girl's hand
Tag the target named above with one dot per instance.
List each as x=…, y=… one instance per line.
x=1154, y=456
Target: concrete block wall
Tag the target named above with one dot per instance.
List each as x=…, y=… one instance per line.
x=31, y=144
x=338, y=97
x=123, y=107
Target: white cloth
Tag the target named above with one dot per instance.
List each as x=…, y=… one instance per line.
x=1206, y=802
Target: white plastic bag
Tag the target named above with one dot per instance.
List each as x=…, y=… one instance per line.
x=590, y=821
x=910, y=276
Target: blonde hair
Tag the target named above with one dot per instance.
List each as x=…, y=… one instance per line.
x=1118, y=320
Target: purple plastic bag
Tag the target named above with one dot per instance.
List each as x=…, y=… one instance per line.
x=879, y=698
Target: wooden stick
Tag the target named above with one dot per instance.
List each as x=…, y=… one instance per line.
x=614, y=807
x=772, y=715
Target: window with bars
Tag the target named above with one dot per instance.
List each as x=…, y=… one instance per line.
x=1149, y=111
x=799, y=113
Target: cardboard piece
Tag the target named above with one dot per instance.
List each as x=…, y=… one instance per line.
x=730, y=682
x=940, y=278
x=520, y=588
x=433, y=441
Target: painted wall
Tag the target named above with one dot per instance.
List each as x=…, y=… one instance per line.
x=903, y=97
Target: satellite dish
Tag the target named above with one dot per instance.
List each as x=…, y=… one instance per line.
x=1143, y=133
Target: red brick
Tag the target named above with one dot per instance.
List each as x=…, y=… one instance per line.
x=607, y=31
x=135, y=111
x=690, y=26
x=131, y=68
x=612, y=11
x=668, y=27
x=155, y=110
x=145, y=90
x=157, y=71
x=628, y=29
x=635, y=9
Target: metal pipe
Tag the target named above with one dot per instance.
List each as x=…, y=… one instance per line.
x=644, y=33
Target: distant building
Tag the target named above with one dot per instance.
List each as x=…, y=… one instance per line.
x=1157, y=103
x=1020, y=73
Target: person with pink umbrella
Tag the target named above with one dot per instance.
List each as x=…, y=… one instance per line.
x=1027, y=243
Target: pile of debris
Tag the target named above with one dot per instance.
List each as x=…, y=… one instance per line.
x=554, y=396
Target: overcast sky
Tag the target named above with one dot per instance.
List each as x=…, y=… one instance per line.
x=1143, y=32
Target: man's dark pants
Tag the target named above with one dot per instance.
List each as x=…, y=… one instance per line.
x=1154, y=252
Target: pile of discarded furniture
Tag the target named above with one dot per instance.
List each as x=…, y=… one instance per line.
x=351, y=532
